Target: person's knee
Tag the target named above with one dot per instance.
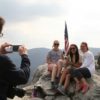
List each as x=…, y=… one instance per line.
x=60, y=62
x=55, y=67
x=68, y=75
x=65, y=71
x=50, y=67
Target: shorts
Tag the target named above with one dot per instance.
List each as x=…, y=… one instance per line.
x=50, y=67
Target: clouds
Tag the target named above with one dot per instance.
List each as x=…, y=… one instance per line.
x=39, y=22
x=84, y=19
x=13, y=10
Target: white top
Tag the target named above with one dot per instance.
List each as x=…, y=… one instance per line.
x=88, y=61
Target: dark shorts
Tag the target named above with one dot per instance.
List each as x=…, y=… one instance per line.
x=81, y=72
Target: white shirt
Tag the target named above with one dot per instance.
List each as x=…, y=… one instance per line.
x=88, y=61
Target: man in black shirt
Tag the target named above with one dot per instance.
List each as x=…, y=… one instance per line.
x=10, y=76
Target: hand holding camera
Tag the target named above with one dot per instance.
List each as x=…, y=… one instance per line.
x=2, y=48
x=22, y=50
x=12, y=48
x=8, y=48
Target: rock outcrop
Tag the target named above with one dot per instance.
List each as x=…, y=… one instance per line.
x=41, y=78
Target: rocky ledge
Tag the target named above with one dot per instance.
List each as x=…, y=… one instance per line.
x=41, y=79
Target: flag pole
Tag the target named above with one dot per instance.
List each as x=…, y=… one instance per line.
x=66, y=40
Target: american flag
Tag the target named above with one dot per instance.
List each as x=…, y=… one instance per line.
x=66, y=39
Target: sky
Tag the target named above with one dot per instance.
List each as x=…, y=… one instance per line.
x=37, y=23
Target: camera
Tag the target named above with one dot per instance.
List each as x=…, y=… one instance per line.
x=12, y=48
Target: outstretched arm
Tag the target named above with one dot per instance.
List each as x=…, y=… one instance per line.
x=17, y=75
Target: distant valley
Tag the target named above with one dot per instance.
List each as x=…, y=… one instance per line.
x=38, y=56
x=95, y=51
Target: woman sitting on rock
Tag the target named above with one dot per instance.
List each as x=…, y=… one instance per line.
x=86, y=69
x=54, y=62
x=72, y=61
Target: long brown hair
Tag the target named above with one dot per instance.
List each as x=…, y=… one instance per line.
x=76, y=53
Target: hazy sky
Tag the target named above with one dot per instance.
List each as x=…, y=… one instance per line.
x=37, y=23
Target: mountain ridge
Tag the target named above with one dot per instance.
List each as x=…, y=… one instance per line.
x=37, y=56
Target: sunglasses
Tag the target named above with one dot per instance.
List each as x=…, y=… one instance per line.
x=56, y=44
x=83, y=46
x=72, y=48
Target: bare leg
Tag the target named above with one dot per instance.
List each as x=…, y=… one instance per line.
x=76, y=80
x=78, y=84
x=84, y=81
x=62, y=89
x=63, y=76
x=59, y=67
x=81, y=85
x=54, y=72
x=85, y=85
x=67, y=80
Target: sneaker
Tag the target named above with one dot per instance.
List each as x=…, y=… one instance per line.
x=61, y=90
x=53, y=85
x=57, y=79
x=85, y=88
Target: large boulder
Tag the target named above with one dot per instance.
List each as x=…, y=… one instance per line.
x=41, y=78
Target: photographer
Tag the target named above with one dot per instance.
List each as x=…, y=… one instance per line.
x=10, y=76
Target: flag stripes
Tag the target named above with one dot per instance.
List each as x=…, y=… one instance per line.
x=66, y=39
